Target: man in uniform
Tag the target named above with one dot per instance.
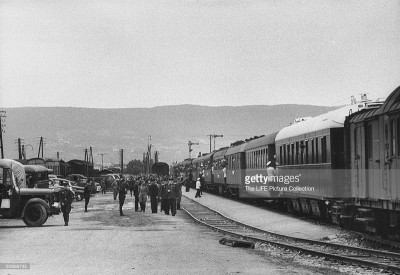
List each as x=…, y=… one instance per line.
x=131, y=184
x=121, y=194
x=86, y=193
x=66, y=198
x=136, y=194
x=114, y=186
x=179, y=193
x=172, y=190
x=165, y=196
x=153, y=193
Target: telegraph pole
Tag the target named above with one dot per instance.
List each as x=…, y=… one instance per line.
x=121, y=151
x=214, y=136
x=102, y=154
x=2, y=119
x=41, y=146
x=190, y=147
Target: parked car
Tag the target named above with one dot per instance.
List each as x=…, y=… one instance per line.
x=56, y=184
x=78, y=178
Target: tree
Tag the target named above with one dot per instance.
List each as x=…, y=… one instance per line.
x=134, y=167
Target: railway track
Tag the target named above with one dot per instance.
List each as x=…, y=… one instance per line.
x=367, y=258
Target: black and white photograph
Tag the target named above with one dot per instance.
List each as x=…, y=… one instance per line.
x=199, y=137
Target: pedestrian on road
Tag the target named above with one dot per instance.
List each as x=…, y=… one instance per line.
x=179, y=193
x=121, y=195
x=114, y=186
x=143, y=190
x=153, y=193
x=202, y=183
x=86, y=193
x=198, y=185
x=66, y=198
x=187, y=184
x=173, y=194
x=103, y=186
x=136, y=194
x=131, y=184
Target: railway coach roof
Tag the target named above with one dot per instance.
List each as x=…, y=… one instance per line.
x=235, y=149
x=260, y=142
x=186, y=162
x=203, y=157
x=392, y=103
x=362, y=115
x=333, y=119
x=220, y=153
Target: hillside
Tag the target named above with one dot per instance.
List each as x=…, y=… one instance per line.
x=70, y=130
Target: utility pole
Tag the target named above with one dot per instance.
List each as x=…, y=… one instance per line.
x=214, y=136
x=121, y=151
x=190, y=147
x=2, y=119
x=41, y=146
x=149, y=154
x=20, y=144
x=102, y=154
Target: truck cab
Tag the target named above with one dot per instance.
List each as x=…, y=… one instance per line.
x=17, y=201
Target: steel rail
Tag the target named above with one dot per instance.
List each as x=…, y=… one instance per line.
x=364, y=257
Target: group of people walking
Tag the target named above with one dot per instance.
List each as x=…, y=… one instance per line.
x=166, y=190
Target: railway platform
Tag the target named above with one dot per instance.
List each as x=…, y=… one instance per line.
x=265, y=219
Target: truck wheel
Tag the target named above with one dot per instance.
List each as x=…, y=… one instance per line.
x=78, y=197
x=35, y=215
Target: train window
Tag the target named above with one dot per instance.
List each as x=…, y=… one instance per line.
x=392, y=137
x=312, y=151
x=316, y=151
x=368, y=140
x=293, y=153
x=306, y=148
x=324, y=150
x=284, y=155
x=398, y=136
x=302, y=152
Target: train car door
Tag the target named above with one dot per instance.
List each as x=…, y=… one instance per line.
x=373, y=161
x=358, y=160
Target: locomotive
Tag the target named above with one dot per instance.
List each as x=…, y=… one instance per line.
x=347, y=163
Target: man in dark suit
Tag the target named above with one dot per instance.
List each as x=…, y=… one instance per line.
x=153, y=193
x=86, y=193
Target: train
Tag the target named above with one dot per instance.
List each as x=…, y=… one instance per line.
x=342, y=166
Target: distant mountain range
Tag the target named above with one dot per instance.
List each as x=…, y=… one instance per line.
x=70, y=130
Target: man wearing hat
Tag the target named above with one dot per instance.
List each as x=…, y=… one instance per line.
x=66, y=198
x=198, y=186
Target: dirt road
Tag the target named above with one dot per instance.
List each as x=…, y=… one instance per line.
x=102, y=242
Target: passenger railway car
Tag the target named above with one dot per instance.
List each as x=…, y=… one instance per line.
x=235, y=173
x=219, y=162
x=313, y=150
x=257, y=153
x=202, y=165
x=373, y=156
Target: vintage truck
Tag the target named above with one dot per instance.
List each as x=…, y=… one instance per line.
x=17, y=201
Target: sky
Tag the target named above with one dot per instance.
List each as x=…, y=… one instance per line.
x=145, y=53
